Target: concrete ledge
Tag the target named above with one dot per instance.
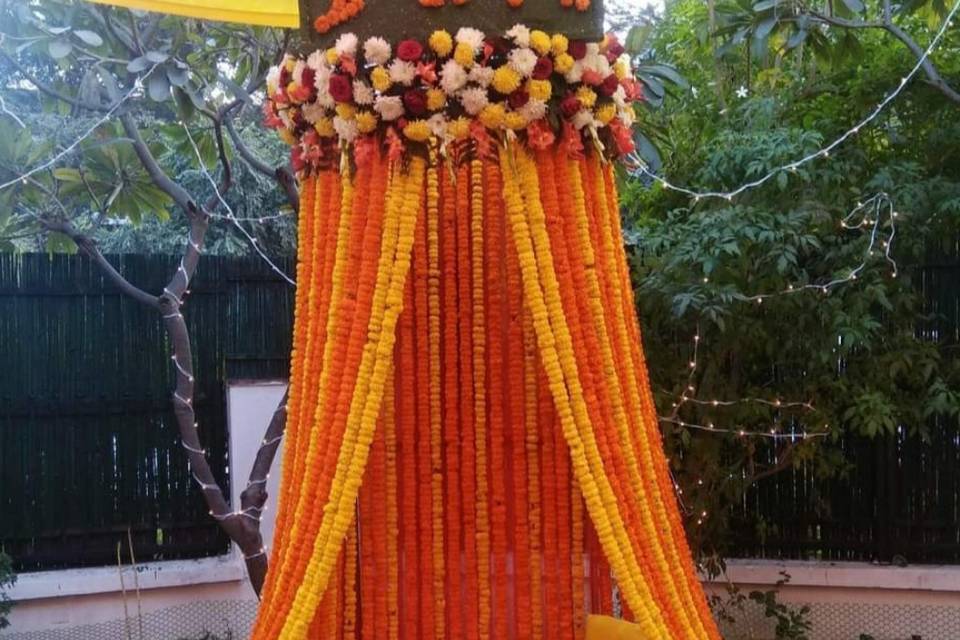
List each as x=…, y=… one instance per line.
x=155, y=575
x=847, y=575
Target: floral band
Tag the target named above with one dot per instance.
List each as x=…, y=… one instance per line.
x=541, y=89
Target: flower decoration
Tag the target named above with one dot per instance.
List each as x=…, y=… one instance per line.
x=543, y=89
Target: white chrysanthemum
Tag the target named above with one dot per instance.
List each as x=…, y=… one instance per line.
x=473, y=37
x=346, y=44
x=575, y=74
x=522, y=61
x=376, y=50
x=362, y=92
x=438, y=124
x=620, y=96
x=402, y=72
x=312, y=112
x=317, y=60
x=583, y=118
x=474, y=99
x=627, y=116
x=322, y=82
x=285, y=117
x=520, y=35
x=481, y=75
x=297, y=74
x=593, y=48
x=389, y=107
x=452, y=77
x=346, y=129
x=533, y=110
x=596, y=62
x=273, y=79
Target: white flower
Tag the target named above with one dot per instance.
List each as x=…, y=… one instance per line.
x=312, y=111
x=362, y=92
x=520, y=35
x=596, y=62
x=533, y=110
x=575, y=74
x=480, y=74
x=273, y=79
x=474, y=100
x=402, y=72
x=593, y=48
x=346, y=44
x=317, y=60
x=522, y=61
x=346, y=129
x=620, y=96
x=742, y=92
x=438, y=124
x=285, y=117
x=376, y=50
x=298, y=71
x=452, y=77
x=322, y=82
x=389, y=107
x=627, y=116
x=473, y=37
x=583, y=118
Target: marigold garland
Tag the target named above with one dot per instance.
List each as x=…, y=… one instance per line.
x=472, y=442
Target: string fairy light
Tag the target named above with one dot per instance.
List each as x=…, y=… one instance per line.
x=230, y=213
x=637, y=167
x=22, y=178
x=16, y=118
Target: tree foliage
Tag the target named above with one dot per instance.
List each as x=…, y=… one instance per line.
x=866, y=353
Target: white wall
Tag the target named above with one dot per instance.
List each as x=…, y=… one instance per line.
x=176, y=598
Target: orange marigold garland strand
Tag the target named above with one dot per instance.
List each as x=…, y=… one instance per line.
x=407, y=434
x=449, y=197
x=392, y=512
x=495, y=245
x=479, y=267
x=534, y=504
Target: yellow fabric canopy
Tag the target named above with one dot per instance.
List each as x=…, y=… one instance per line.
x=275, y=13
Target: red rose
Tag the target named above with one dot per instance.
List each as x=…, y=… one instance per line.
x=577, y=49
x=341, y=89
x=415, y=101
x=543, y=69
x=609, y=85
x=518, y=98
x=570, y=105
x=307, y=77
x=409, y=50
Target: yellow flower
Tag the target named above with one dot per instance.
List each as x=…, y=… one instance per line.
x=587, y=97
x=324, y=127
x=621, y=69
x=506, y=80
x=380, y=78
x=559, y=44
x=417, y=130
x=332, y=56
x=287, y=136
x=290, y=64
x=366, y=121
x=346, y=111
x=515, y=121
x=539, y=89
x=441, y=42
x=540, y=41
x=463, y=54
x=459, y=128
x=493, y=115
x=436, y=99
x=563, y=63
x=606, y=113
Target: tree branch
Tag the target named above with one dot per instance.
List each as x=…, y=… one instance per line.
x=50, y=91
x=282, y=174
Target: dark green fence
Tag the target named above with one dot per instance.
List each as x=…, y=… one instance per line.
x=88, y=443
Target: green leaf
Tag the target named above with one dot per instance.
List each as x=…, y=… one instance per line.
x=855, y=6
x=67, y=174
x=637, y=38
x=89, y=37
x=185, y=105
x=156, y=57
x=158, y=87
x=59, y=48
x=138, y=64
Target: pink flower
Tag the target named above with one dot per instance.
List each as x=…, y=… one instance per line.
x=622, y=136
x=571, y=141
x=341, y=89
x=632, y=89
x=539, y=135
x=591, y=77
x=348, y=64
x=270, y=117
x=427, y=72
x=409, y=50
